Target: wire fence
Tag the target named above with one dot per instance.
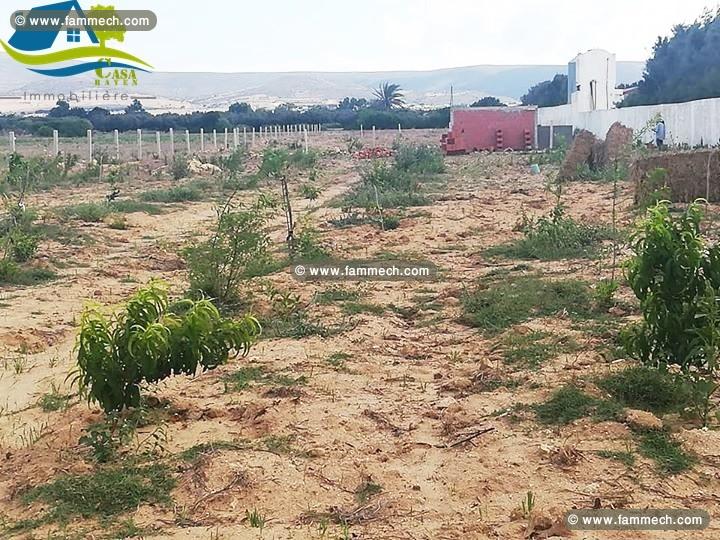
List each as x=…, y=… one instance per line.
x=156, y=145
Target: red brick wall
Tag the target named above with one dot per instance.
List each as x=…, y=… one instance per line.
x=476, y=128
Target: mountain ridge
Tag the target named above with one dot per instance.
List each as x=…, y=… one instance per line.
x=201, y=90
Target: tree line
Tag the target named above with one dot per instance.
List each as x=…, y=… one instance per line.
x=386, y=111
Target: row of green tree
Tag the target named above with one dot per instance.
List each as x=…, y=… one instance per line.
x=386, y=111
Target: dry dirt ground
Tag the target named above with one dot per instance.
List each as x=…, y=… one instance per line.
x=390, y=436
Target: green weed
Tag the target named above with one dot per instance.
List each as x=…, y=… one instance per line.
x=492, y=307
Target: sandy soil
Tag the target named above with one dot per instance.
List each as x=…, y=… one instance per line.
x=401, y=414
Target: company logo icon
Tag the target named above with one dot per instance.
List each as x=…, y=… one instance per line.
x=62, y=40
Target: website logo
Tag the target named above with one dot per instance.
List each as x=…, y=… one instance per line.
x=63, y=40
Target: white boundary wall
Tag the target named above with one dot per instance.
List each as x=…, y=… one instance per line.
x=691, y=123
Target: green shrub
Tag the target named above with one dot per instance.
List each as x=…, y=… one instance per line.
x=238, y=244
x=384, y=186
x=604, y=293
x=569, y=403
x=310, y=192
x=23, y=246
x=233, y=163
x=654, y=190
x=149, y=340
x=494, y=306
x=86, y=212
x=303, y=160
x=130, y=207
x=419, y=159
x=308, y=246
x=335, y=293
x=179, y=167
x=104, y=493
x=667, y=453
x=556, y=236
x=13, y=274
x=175, y=194
x=672, y=273
x=648, y=389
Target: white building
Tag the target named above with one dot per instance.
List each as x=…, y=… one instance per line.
x=592, y=78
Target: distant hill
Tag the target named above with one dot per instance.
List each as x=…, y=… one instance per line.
x=218, y=90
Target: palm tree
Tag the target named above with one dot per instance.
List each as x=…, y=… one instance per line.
x=389, y=96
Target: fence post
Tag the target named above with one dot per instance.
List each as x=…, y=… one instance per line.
x=306, y=140
x=244, y=136
x=253, y=136
x=215, y=139
x=361, y=131
x=227, y=145
x=116, y=133
x=172, y=142
x=159, y=147
x=139, y=143
x=56, y=142
x=552, y=135
x=187, y=140
x=202, y=140
x=374, y=137
x=90, y=144
x=399, y=129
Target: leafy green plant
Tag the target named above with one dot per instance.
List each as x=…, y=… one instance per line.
x=627, y=458
x=384, y=186
x=556, y=236
x=604, y=293
x=174, y=194
x=104, y=493
x=23, y=246
x=530, y=350
x=674, y=273
x=276, y=165
x=232, y=163
x=239, y=243
x=365, y=491
x=179, y=167
x=106, y=437
x=308, y=246
x=642, y=387
x=150, y=340
x=570, y=403
x=494, y=306
x=310, y=192
x=667, y=453
x=53, y=400
x=11, y=273
x=528, y=504
x=654, y=189
x=255, y=519
x=419, y=159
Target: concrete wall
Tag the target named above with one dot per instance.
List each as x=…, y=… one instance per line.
x=692, y=123
x=592, y=79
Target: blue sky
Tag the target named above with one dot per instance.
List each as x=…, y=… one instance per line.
x=369, y=35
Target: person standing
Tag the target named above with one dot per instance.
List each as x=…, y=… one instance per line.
x=660, y=134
